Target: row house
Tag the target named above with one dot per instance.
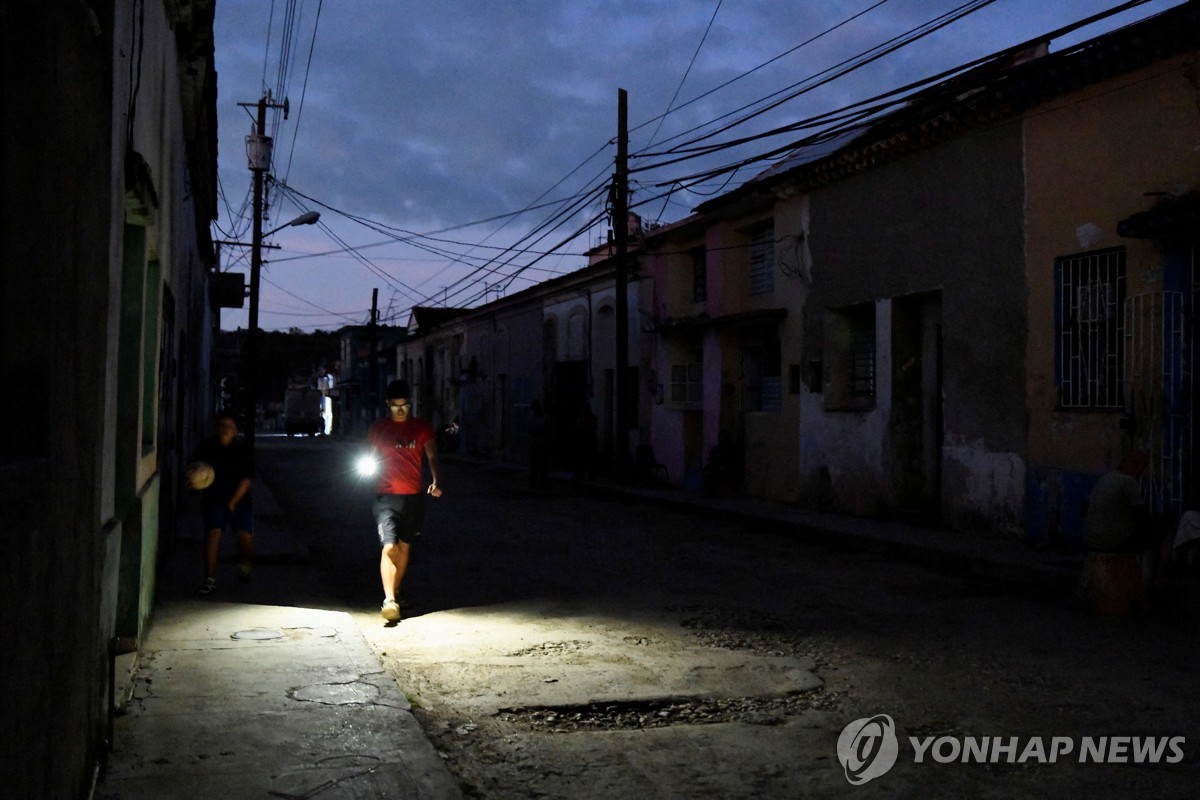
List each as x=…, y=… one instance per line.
x=553, y=342
x=727, y=284
x=367, y=362
x=109, y=176
x=428, y=358
x=961, y=312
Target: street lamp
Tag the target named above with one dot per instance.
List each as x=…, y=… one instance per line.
x=250, y=352
x=307, y=218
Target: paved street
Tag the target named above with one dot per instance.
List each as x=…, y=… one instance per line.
x=576, y=645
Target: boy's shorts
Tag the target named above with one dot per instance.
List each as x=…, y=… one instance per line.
x=398, y=517
x=217, y=516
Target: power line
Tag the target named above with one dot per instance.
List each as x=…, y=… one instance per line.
x=303, y=91
x=830, y=74
x=751, y=71
x=686, y=72
x=856, y=115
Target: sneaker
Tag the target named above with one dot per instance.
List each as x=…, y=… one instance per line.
x=245, y=572
x=208, y=587
x=390, y=611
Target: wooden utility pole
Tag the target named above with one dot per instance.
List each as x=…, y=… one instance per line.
x=373, y=367
x=622, y=389
x=259, y=166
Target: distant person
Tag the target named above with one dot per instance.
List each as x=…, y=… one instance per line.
x=402, y=444
x=226, y=502
x=539, y=448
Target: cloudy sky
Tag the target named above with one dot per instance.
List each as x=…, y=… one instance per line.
x=461, y=149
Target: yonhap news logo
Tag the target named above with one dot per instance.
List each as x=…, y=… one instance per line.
x=867, y=748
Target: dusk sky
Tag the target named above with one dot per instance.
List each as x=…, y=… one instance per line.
x=456, y=147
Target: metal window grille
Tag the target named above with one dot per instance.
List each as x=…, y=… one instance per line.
x=686, y=383
x=862, y=354
x=772, y=395
x=1090, y=292
x=762, y=262
x=1154, y=390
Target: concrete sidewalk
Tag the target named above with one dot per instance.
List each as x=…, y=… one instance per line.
x=241, y=700
x=974, y=555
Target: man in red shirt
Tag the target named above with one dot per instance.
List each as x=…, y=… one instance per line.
x=400, y=442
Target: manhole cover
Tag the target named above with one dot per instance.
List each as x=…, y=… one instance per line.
x=259, y=634
x=336, y=694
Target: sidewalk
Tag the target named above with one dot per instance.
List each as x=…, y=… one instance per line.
x=977, y=555
x=240, y=700
x=973, y=555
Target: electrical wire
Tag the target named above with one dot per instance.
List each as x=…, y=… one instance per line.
x=763, y=65
x=830, y=74
x=686, y=72
x=303, y=92
x=863, y=112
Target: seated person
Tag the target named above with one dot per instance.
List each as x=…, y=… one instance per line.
x=1115, y=519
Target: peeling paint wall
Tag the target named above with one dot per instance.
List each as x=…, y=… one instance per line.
x=983, y=490
x=944, y=223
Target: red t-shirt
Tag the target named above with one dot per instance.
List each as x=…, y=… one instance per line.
x=401, y=446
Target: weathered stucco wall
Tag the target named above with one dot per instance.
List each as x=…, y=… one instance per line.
x=947, y=221
x=1129, y=138
x=1094, y=158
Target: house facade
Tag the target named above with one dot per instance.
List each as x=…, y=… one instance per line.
x=109, y=176
x=729, y=288
x=553, y=343
x=367, y=362
x=1113, y=200
x=981, y=299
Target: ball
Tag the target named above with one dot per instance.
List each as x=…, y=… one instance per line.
x=199, y=475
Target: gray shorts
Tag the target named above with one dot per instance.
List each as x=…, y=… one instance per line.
x=398, y=517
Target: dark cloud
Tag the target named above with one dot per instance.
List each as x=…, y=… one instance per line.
x=430, y=115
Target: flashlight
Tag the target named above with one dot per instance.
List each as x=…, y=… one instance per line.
x=366, y=466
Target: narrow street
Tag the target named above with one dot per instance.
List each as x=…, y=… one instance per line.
x=574, y=645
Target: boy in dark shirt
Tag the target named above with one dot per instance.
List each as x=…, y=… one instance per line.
x=227, y=500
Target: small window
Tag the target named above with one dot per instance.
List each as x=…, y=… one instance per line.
x=850, y=358
x=762, y=261
x=862, y=359
x=686, y=383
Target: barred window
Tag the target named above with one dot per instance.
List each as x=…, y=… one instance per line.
x=862, y=356
x=762, y=261
x=1090, y=329
x=850, y=357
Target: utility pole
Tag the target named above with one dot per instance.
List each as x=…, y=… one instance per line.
x=373, y=367
x=621, y=386
x=258, y=152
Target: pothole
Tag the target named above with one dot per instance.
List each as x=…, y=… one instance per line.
x=551, y=649
x=639, y=715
